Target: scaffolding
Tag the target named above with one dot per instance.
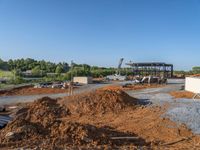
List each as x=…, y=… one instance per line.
x=152, y=68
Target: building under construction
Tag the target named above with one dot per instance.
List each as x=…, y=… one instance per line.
x=152, y=68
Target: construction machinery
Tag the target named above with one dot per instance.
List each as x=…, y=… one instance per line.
x=118, y=75
x=119, y=66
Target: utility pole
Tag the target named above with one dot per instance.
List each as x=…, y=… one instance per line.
x=71, y=82
x=72, y=66
x=14, y=73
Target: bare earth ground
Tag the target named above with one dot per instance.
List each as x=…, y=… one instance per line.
x=146, y=123
x=31, y=91
x=182, y=94
x=133, y=87
x=91, y=120
x=25, y=91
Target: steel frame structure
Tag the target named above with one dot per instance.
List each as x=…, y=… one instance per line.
x=152, y=68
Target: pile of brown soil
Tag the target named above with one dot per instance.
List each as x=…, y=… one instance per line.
x=182, y=94
x=44, y=111
x=132, y=87
x=22, y=133
x=33, y=123
x=74, y=134
x=195, y=75
x=142, y=86
x=53, y=124
x=47, y=124
x=99, y=102
x=29, y=90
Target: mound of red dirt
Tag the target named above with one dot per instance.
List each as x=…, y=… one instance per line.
x=46, y=123
x=182, y=94
x=99, y=102
x=29, y=90
x=132, y=87
x=33, y=123
x=64, y=134
x=195, y=75
x=44, y=111
x=74, y=134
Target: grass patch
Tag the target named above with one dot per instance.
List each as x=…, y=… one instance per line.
x=6, y=74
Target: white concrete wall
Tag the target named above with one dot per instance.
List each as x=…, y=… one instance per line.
x=192, y=84
x=83, y=80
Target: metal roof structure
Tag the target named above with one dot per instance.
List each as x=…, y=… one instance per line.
x=152, y=68
x=148, y=64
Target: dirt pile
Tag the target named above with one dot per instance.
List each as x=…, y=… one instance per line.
x=33, y=123
x=53, y=124
x=74, y=133
x=182, y=94
x=132, y=87
x=46, y=124
x=195, y=75
x=29, y=90
x=44, y=111
x=142, y=86
x=41, y=114
x=22, y=133
x=99, y=102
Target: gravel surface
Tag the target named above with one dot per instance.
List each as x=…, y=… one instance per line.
x=181, y=110
x=187, y=112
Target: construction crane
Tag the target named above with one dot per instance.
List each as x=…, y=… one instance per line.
x=119, y=66
x=117, y=76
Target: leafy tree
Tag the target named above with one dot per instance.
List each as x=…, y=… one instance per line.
x=59, y=70
x=3, y=65
x=196, y=70
x=36, y=71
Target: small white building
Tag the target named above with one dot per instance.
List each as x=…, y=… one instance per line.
x=192, y=84
x=83, y=80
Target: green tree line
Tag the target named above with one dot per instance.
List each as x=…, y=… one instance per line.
x=49, y=69
x=36, y=67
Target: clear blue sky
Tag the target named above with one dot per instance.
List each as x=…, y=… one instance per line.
x=99, y=32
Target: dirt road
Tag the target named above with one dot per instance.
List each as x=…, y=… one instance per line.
x=174, y=85
x=6, y=100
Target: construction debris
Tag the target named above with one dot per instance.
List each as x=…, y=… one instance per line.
x=117, y=76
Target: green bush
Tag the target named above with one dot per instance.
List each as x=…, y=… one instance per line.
x=17, y=80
